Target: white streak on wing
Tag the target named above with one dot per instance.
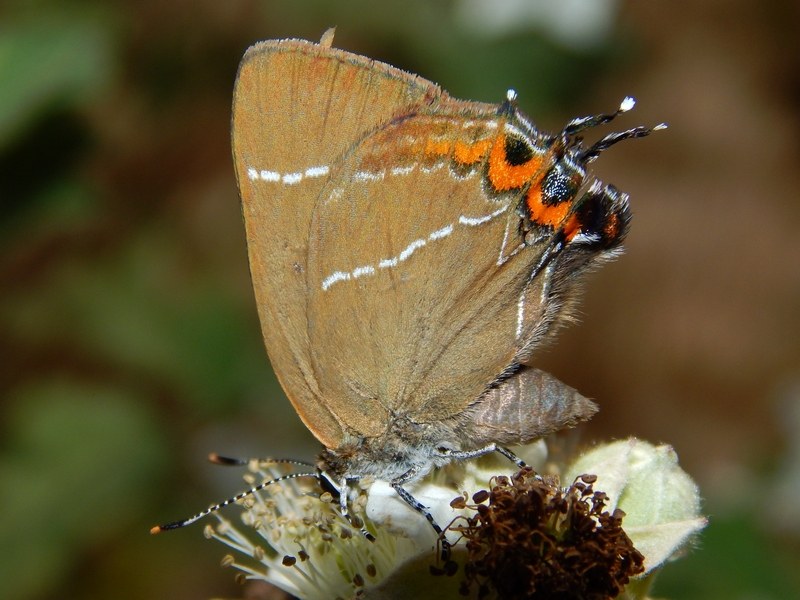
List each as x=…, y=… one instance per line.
x=521, y=312
x=319, y=171
x=440, y=233
x=287, y=178
x=500, y=258
x=509, y=128
x=292, y=178
x=333, y=278
x=545, y=293
x=402, y=170
x=534, y=148
x=405, y=254
x=585, y=238
x=367, y=176
x=411, y=248
x=432, y=168
x=361, y=271
x=475, y=221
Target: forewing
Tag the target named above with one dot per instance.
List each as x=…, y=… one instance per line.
x=298, y=107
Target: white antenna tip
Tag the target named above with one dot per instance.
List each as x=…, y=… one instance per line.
x=627, y=104
x=511, y=95
x=660, y=126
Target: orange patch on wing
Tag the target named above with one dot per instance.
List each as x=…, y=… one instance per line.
x=611, y=228
x=571, y=228
x=468, y=154
x=504, y=176
x=553, y=215
x=437, y=148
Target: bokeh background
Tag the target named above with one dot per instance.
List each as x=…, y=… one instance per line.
x=128, y=332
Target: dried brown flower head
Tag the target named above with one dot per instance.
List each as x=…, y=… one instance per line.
x=531, y=538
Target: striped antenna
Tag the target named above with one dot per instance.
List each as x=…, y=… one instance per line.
x=216, y=507
x=589, y=154
x=583, y=123
x=324, y=480
x=227, y=461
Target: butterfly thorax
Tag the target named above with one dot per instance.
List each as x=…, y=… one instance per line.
x=406, y=447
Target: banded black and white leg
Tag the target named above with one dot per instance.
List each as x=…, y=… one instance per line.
x=411, y=474
x=468, y=454
x=340, y=491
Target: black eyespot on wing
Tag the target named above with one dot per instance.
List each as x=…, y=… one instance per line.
x=518, y=151
x=558, y=186
x=604, y=215
x=592, y=214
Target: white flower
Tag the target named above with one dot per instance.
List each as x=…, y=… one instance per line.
x=295, y=537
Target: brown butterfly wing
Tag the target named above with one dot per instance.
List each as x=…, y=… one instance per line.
x=298, y=107
x=416, y=273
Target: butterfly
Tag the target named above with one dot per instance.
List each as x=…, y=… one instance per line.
x=409, y=252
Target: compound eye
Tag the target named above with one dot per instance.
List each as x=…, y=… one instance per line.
x=559, y=186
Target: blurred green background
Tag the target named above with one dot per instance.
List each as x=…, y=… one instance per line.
x=128, y=333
